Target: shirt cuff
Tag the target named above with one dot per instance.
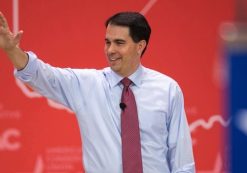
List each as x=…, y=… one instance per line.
x=28, y=72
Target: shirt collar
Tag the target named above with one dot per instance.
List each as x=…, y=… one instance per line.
x=114, y=78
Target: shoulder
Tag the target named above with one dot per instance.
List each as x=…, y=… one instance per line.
x=150, y=75
x=162, y=83
x=88, y=75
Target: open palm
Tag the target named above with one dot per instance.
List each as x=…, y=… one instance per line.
x=8, y=40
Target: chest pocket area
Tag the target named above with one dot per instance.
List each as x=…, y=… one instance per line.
x=153, y=120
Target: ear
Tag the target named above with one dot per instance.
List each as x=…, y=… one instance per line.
x=141, y=46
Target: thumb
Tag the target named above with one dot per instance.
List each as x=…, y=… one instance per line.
x=18, y=36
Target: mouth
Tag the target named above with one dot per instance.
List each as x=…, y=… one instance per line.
x=113, y=58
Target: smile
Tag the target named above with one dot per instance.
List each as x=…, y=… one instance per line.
x=113, y=59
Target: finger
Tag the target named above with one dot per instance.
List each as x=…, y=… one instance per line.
x=2, y=30
x=3, y=20
x=18, y=36
x=5, y=31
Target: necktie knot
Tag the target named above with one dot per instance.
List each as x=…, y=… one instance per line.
x=126, y=82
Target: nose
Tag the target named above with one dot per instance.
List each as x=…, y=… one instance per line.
x=110, y=49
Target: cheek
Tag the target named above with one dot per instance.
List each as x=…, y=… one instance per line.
x=126, y=52
x=105, y=49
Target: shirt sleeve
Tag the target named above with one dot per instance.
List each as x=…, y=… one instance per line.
x=54, y=83
x=180, y=153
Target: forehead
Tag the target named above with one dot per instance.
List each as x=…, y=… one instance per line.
x=117, y=32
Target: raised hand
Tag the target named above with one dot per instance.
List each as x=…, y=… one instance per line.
x=8, y=40
x=9, y=43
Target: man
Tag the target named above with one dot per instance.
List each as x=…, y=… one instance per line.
x=102, y=100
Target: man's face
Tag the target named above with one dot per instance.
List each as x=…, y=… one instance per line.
x=123, y=54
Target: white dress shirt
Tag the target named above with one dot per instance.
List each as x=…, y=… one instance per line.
x=94, y=96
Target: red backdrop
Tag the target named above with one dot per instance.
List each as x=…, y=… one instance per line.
x=38, y=136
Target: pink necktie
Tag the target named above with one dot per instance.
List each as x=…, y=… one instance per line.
x=131, y=145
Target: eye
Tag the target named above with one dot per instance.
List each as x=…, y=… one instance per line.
x=120, y=43
x=107, y=42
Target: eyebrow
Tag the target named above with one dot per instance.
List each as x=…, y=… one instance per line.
x=116, y=40
x=119, y=40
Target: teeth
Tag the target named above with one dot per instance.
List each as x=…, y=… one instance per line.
x=113, y=59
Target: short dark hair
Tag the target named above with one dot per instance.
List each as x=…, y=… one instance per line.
x=139, y=28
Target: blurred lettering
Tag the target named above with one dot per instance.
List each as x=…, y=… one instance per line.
x=9, y=140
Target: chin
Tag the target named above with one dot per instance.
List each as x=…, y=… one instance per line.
x=115, y=69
